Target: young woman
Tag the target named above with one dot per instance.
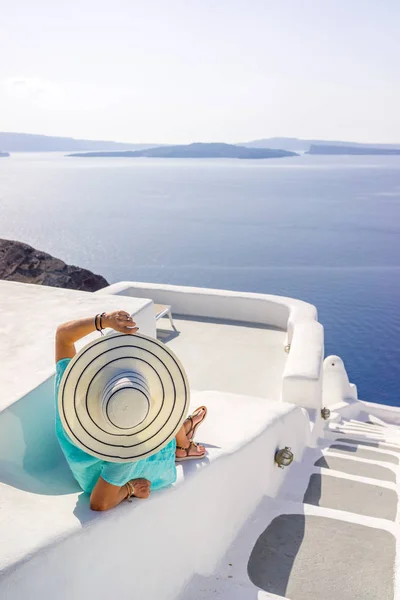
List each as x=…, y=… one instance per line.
x=110, y=483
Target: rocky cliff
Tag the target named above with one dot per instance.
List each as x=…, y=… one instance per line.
x=20, y=262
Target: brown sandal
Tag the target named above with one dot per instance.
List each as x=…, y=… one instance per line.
x=189, y=456
x=192, y=430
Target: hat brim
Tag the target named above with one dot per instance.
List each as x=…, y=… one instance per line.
x=85, y=378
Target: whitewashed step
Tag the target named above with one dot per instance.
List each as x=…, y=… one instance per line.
x=351, y=496
x=353, y=467
x=314, y=558
x=361, y=452
x=371, y=444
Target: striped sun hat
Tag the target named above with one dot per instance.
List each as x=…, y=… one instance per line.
x=123, y=397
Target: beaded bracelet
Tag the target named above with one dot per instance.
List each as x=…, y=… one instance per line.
x=99, y=325
x=101, y=320
x=131, y=491
x=95, y=323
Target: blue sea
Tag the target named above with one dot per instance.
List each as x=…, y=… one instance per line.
x=323, y=229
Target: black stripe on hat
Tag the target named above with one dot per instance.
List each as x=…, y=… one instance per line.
x=162, y=443
x=107, y=365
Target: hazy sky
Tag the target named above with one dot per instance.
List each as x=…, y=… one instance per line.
x=201, y=70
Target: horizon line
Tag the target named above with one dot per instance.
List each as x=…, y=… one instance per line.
x=251, y=140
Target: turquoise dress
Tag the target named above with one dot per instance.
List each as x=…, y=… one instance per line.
x=159, y=468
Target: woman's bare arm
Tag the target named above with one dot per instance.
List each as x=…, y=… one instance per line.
x=105, y=496
x=72, y=331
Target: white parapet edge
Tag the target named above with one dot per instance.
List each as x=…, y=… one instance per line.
x=302, y=377
x=141, y=547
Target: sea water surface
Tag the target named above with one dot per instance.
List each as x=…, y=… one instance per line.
x=325, y=229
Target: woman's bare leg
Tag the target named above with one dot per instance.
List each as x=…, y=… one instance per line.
x=105, y=496
x=182, y=440
x=189, y=424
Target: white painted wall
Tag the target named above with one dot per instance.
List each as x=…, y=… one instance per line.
x=28, y=445
x=336, y=385
x=363, y=410
x=149, y=549
x=179, y=532
x=388, y=414
x=302, y=379
x=276, y=311
x=30, y=315
x=341, y=396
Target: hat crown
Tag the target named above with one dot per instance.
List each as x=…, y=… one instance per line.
x=126, y=400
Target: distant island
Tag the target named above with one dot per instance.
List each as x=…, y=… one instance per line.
x=28, y=142
x=197, y=150
x=4, y=154
x=342, y=150
x=299, y=145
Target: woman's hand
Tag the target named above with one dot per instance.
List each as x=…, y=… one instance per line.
x=121, y=321
x=141, y=487
x=72, y=331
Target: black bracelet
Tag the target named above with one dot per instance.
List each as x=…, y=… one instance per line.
x=95, y=323
x=101, y=320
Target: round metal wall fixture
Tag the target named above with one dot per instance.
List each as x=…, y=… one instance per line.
x=284, y=457
x=325, y=413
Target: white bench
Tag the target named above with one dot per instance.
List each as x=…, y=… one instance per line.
x=164, y=309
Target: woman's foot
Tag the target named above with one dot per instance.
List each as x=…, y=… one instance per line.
x=192, y=451
x=193, y=421
x=141, y=487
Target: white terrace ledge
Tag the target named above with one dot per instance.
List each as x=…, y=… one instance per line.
x=30, y=315
x=266, y=309
x=52, y=544
x=301, y=380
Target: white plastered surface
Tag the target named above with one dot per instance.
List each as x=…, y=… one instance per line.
x=241, y=435
x=30, y=315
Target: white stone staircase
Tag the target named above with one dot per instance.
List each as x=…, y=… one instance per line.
x=332, y=532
